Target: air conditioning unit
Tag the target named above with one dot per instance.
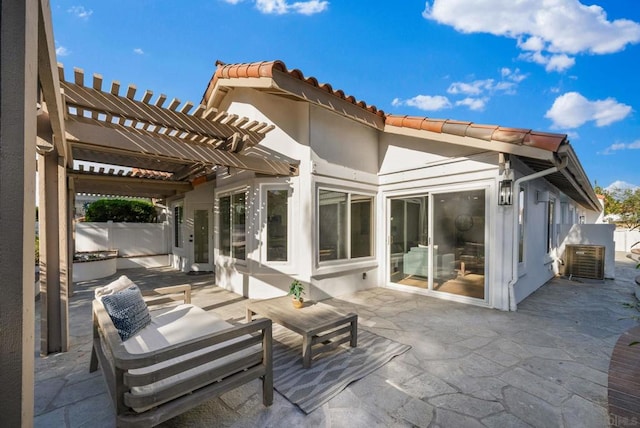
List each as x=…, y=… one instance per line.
x=584, y=261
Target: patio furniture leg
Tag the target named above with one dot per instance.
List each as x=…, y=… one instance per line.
x=354, y=332
x=93, y=365
x=306, y=350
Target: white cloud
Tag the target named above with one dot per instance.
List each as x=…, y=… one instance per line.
x=616, y=147
x=473, y=88
x=138, y=51
x=281, y=7
x=513, y=75
x=475, y=104
x=424, y=102
x=233, y=1
x=548, y=31
x=310, y=7
x=620, y=185
x=80, y=12
x=572, y=110
x=62, y=51
x=476, y=93
x=560, y=62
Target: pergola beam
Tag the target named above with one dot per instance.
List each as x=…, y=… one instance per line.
x=47, y=75
x=83, y=98
x=114, y=138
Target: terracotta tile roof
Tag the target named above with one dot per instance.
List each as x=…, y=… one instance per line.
x=527, y=137
x=266, y=69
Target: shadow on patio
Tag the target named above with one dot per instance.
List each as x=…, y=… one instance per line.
x=545, y=365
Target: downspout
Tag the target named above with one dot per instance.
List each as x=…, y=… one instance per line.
x=516, y=209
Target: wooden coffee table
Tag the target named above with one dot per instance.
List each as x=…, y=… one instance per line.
x=322, y=327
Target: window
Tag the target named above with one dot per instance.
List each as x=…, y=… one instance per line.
x=232, y=226
x=345, y=225
x=178, y=219
x=277, y=213
x=550, y=224
x=521, y=219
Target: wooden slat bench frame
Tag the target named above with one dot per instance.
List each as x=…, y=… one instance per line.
x=109, y=352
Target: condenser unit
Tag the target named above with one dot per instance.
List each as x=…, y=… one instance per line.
x=584, y=261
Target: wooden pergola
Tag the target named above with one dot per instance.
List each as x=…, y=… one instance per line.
x=172, y=147
x=175, y=145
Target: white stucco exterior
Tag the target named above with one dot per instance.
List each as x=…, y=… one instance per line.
x=339, y=154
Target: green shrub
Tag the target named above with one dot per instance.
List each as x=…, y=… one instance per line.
x=121, y=210
x=37, y=250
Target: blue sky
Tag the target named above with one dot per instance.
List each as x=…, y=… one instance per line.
x=550, y=65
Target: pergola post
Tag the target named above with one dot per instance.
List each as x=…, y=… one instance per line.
x=71, y=231
x=53, y=253
x=18, y=96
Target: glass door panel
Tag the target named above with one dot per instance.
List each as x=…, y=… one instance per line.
x=408, y=241
x=201, y=236
x=459, y=243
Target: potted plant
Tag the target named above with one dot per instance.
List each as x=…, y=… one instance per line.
x=296, y=290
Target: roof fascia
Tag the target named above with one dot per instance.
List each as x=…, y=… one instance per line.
x=492, y=145
x=578, y=178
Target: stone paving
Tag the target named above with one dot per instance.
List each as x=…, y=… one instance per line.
x=542, y=366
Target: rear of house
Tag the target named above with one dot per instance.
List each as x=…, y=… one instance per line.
x=472, y=213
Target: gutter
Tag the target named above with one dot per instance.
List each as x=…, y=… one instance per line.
x=513, y=306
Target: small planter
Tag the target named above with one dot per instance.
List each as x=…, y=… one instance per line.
x=298, y=303
x=94, y=264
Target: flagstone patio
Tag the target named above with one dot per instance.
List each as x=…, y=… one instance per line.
x=543, y=366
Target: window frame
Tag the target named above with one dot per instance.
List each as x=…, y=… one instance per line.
x=522, y=225
x=551, y=220
x=219, y=249
x=264, y=237
x=348, y=247
x=177, y=238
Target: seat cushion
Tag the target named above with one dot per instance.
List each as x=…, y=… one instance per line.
x=175, y=325
x=127, y=310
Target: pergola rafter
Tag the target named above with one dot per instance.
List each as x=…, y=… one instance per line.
x=108, y=127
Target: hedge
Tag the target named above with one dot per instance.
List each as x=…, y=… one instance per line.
x=121, y=210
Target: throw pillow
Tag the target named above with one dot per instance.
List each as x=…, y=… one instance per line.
x=113, y=287
x=127, y=310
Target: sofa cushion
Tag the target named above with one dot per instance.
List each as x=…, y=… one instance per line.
x=127, y=310
x=177, y=325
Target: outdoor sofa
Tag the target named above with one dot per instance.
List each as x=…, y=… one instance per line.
x=157, y=364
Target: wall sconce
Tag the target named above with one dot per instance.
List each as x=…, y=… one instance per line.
x=505, y=192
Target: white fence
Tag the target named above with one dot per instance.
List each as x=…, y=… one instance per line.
x=625, y=239
x=130, y=239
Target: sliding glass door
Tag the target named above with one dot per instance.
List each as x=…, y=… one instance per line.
x=458, y=242
x=437, y=240
x=408, y=241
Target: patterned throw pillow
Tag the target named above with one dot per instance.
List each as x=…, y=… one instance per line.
x=127, y=310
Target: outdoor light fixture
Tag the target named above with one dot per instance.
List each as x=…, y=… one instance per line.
x=505, y=192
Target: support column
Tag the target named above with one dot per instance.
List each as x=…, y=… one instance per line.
x=18, y=96
x=54, y=281
x=71, y=232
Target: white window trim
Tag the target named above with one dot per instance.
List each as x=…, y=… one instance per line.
x=230, y=192
x=522, y=265
x=337, y=265
x=177, y=249
x=264, y=189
